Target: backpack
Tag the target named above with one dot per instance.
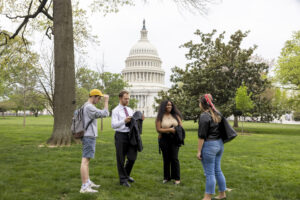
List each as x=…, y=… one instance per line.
x=77, y=127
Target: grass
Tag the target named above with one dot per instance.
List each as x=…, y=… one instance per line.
x=262, y=165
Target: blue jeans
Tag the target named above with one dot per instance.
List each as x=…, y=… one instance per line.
x=211, y=160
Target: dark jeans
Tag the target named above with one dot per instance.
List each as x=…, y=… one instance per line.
x=170, y=151
x=123, y=150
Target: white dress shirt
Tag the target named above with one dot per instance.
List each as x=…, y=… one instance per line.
x=118, y=118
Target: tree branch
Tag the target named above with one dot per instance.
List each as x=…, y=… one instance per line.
x=48, y=34
x=26, y=19
x=45, y=12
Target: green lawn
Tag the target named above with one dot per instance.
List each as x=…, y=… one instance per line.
x=262, y=165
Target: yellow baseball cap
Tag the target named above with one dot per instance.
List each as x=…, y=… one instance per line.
x=96, y=92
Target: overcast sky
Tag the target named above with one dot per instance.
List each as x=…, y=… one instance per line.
x=271, y=23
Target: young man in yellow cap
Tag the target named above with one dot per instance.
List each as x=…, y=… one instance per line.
x=90, y=114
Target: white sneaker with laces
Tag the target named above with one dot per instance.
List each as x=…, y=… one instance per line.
x=88, y=190
x=93, y=185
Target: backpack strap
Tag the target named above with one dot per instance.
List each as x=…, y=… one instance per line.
x=89, y=124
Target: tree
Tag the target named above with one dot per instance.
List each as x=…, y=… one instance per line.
x=17, y=99
x=6, y=105
x=18, y=68
x=273, y=103
x=243, y=102
x=112, y=85
x=12, y=59
x=217, y=68
x=88, y=79
x=288, y=69
x=36, y=102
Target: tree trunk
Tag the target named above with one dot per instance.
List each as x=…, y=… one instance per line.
x=24, y=96
x=236, y=122
x=101, y=125
x=64, y=87
x=243, y=126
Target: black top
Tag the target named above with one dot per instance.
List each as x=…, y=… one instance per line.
x=208, y=129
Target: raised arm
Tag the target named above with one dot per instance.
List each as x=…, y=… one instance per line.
x=94, y=112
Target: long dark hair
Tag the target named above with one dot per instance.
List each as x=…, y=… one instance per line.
x=206, y=101
x=162, y=110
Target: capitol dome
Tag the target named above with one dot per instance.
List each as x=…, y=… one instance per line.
x=144, y=73
x=143, y=48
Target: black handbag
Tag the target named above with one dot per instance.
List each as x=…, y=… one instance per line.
x=227, y=132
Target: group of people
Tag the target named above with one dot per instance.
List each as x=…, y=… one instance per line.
x=126, y=123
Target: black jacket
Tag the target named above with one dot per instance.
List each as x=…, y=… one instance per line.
x=136, y=126
x=227, y=132
x=179, y=135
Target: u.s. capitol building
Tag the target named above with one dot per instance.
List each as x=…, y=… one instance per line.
x=144, y=74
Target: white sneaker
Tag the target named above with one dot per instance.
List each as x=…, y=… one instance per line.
x=92, y=184
x=88, y=190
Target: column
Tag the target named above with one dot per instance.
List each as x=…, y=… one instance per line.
x=139, y=100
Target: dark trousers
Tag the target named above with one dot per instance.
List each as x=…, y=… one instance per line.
x=123, y=150
x=170, y=151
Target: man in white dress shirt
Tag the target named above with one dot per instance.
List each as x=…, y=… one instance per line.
x=121, y=115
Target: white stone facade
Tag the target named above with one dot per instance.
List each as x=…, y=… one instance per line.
x=144, y=73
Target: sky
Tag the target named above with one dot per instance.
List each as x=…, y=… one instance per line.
x=270, y=22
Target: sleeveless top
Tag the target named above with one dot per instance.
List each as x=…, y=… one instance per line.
x=168, y=121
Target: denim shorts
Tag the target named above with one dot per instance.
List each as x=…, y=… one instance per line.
x=88, y=147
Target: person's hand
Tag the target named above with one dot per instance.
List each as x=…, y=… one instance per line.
x=172, y=130
x=199, y=156
x=143, y=117
x=106, y=97
x=128, y=119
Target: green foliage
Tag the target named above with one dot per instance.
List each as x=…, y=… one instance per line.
x=17, y=98
x=88, y=79
x=108, y=83
x=113, y=84
x=82, y=28
x=6, y=105
x=36, y=102
x=288, y=70
x=82, y=95
x=218, y=68
x=109, y=6
x=243, y=101
x=13, y=57
x=296, y=116
x=273, y=103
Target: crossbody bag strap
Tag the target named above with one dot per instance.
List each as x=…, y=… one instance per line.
x=89, y=124
x=83, y=118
